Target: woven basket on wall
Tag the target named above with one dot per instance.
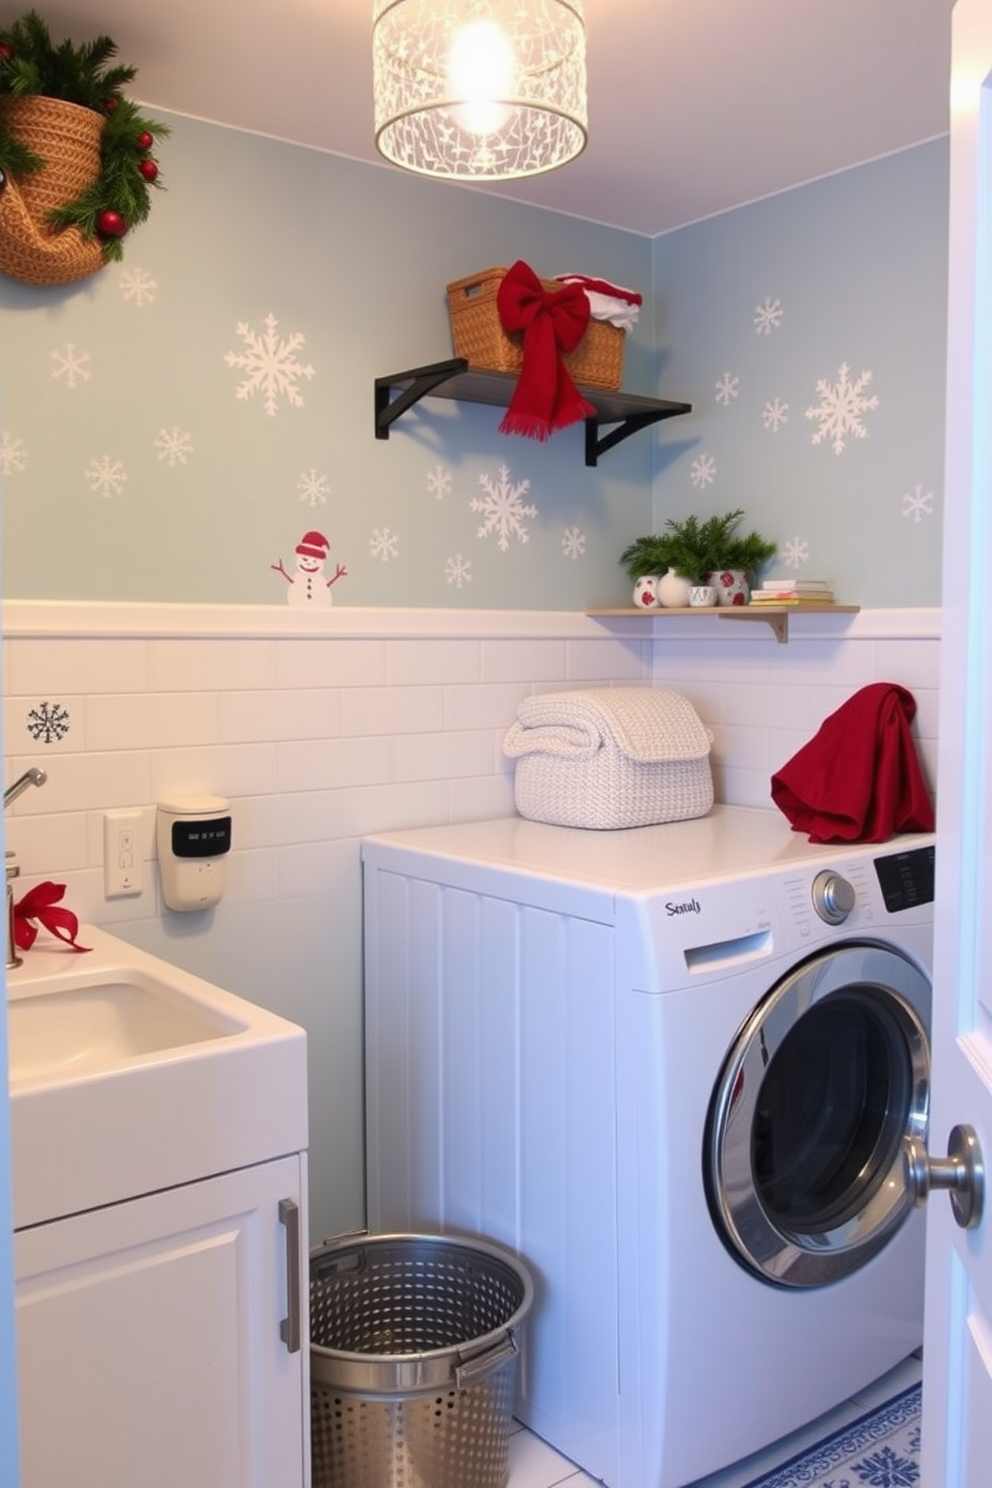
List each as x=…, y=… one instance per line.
x=67, y=138
x=477, y=334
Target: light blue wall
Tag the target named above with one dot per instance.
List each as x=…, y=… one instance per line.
x=777, y=296
x=192, y=493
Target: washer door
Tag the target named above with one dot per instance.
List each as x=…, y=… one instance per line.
x=822, y=1087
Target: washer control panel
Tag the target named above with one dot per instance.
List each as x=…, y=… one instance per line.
x=833, y=897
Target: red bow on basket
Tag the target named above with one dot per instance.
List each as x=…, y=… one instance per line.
x=545, y=397
x=41, y=904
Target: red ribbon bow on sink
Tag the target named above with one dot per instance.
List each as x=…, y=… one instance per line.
x=41, y=904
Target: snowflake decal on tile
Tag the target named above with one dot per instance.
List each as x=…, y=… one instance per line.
x=174, y=446
x=48, y=723
x=137, y=287
x=774, y=414
x=767, y=316
x=841, y=408
x=727, y=389
x=384, y=544
x=503, y=508
x=702, y=471
x=313, y=487
x=439, y=482
x=272, y=365
x=795, y=552
x=13, y=454
x=917, y=504
x=106, y=476
x=69, y=366
x=458, y=571
x=573, y=543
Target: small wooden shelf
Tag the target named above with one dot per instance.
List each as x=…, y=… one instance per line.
x=777, y=616
x=622, y=414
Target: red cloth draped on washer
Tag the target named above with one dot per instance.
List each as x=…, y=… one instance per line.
x=859, y=778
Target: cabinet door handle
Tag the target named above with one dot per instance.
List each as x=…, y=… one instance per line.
x=289, y=1328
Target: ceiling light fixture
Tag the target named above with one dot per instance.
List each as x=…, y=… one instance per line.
x=479, y=90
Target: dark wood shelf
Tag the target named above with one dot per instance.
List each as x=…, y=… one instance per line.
x=619, y=414
x=777, y=616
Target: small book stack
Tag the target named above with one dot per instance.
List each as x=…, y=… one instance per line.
x=793, y=592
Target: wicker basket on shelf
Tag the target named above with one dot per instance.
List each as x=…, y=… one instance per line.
x=478, y=335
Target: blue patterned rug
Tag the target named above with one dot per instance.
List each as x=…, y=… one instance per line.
x=880, y=1450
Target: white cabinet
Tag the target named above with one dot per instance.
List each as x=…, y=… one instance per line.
x=152, y=1338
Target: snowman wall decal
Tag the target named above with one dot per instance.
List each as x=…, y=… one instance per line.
x=309, y=585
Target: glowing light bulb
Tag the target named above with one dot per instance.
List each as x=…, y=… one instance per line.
x=482, y=70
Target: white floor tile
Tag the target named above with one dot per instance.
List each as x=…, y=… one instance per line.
x=533, y=1464
x=909, y=1372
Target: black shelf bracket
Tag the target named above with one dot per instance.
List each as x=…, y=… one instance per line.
x=414, y=385
x=632, y=423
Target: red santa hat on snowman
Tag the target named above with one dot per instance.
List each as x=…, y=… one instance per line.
x=313, y=545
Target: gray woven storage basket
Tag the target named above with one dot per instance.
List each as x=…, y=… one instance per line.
x=609, y=757
x=413, y=1358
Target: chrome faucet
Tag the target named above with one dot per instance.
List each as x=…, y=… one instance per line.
x=33, y=776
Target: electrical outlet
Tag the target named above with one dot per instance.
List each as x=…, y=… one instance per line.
x=123, y=866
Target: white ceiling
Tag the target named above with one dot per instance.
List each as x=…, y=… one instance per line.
x=694, y=107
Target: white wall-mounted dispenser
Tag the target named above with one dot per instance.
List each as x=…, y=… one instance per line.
x=193, y=834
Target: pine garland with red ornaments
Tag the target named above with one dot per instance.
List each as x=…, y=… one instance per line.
x=32, y=64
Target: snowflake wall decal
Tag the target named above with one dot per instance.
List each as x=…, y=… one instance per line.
x=573, y=543
x=106, y=476
x=727, y=389
x=503, y=508
x=702, y=471
x=767, y=316
x=439, y=482
x=48, y=723
x=775, y=414
x=69, y=365
x=13, y=454
x=841, y=407
x=795, y=552
x=458, y=571
x=917, y=504
x=313, y=487
x=384, y=544
x=137, y=287
x=271, y=364
x=174, y=446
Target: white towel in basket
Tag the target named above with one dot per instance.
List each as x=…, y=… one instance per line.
x=609, y=757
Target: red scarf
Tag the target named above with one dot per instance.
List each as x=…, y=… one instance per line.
x=545, y=397
x=41, y=904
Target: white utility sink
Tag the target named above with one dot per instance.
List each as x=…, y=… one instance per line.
x=129, y=1075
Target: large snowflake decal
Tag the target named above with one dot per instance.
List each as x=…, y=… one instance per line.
x=702, y=472
x=313, y=487
x=841, y=407
x=48, y=723
x=573, y=543
x=887, y=1469
x=917, y=504
x=13, y=454
x=727, y=389
x=767, y=316
x=458, y=571
x=774, y=414
x=174, y=446
x=503, y=508
x=69, y=365
x=137, y=287
x=271, y=364
x=384, y=544
x=106, y=476
x=439, y=482
x=796, y=552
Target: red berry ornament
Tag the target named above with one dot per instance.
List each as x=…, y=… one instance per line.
x=109, y=104
x=6, y=51
x=111, y=224
x=145, y=140
x=148, y=169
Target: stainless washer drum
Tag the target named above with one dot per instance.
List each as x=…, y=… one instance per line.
x=413, y=1359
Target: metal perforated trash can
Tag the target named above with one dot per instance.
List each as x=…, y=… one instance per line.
x=414, y=1341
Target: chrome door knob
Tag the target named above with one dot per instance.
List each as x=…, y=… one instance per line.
x=961, y=1172
x=833, y=897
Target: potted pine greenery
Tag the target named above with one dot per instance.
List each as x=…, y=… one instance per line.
x=708, y=552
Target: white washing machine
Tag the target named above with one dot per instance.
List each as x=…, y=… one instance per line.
x=674, y=1068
